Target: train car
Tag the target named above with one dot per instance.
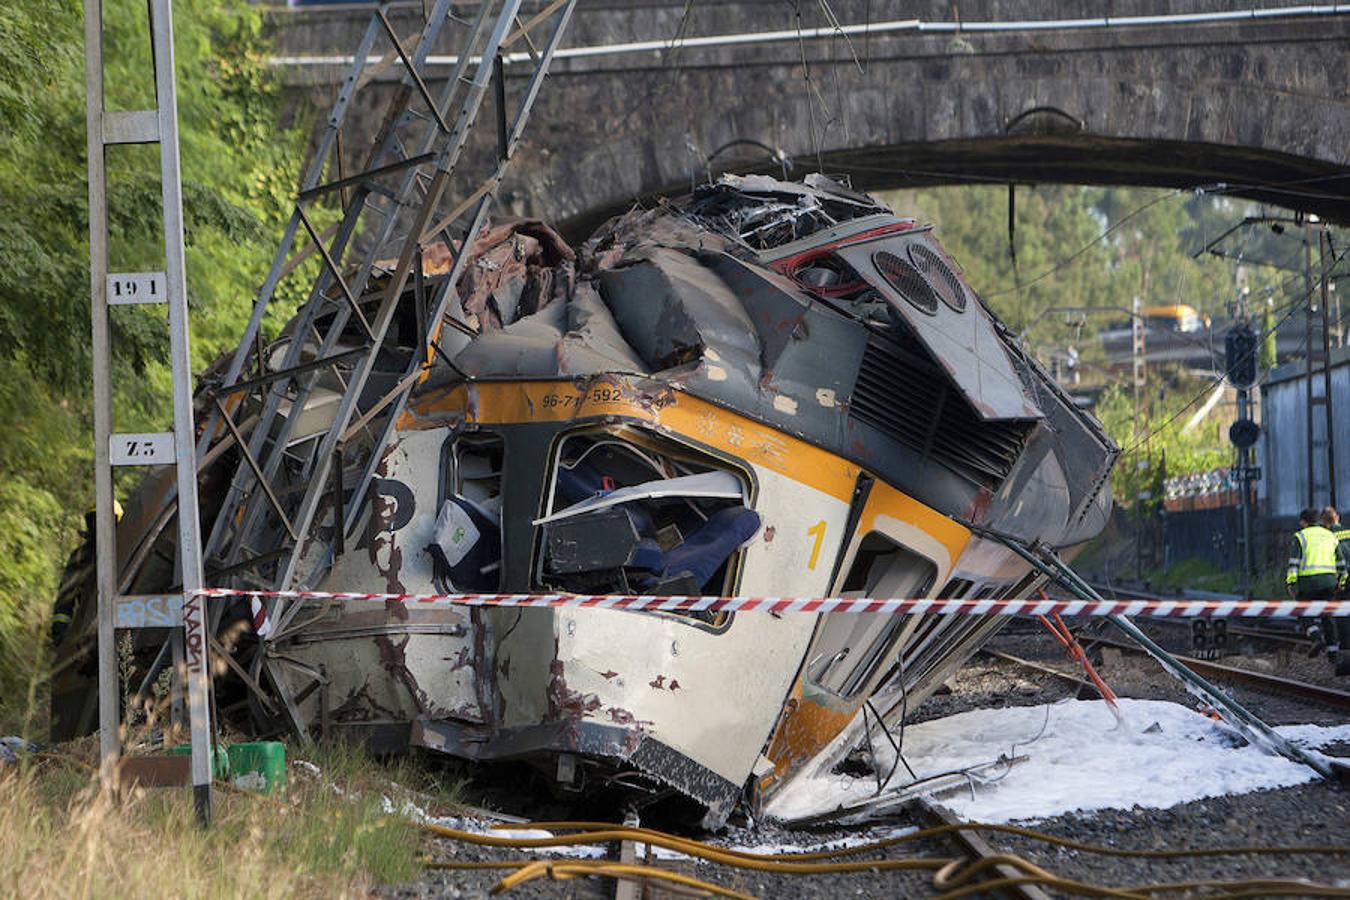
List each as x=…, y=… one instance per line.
x=766, y=388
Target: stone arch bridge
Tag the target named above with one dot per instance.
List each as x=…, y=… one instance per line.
x=1259, y=103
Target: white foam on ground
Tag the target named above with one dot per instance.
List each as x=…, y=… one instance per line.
x=641, y=849
x=852, y=840
x=766, y=849
x=1081, y=761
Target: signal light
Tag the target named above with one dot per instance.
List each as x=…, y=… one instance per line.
x=1240, y=351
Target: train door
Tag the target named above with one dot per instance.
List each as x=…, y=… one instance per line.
x=897, y=548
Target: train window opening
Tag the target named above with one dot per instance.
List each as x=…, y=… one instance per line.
x=955, y=589
x=1024, y=586
x=857, y=646
x=629, y=512
x=466, y=545
x=476, y=470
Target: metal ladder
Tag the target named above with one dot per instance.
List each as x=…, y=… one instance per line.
x=172, y=448
x=1321, y=442
x=270, y=531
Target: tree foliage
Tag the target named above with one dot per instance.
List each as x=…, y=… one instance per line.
x=1162, y=447
x=238, y=169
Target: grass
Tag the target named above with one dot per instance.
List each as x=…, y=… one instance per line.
x=320, y=837
x=63, y=837
x=1198, y=574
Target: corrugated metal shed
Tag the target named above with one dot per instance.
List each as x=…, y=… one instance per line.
x=1282, y=451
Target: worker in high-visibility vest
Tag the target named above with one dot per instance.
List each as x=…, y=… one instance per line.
x=1337, y=628
x=1317, y=564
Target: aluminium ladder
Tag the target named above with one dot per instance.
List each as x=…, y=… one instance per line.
x=108, y=128
x=269, y=533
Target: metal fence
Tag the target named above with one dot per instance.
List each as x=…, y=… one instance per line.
x=1282, y=452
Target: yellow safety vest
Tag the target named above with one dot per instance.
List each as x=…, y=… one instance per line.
x=1318, y=546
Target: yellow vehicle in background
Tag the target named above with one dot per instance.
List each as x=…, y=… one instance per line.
x=1174, y=333
x=1177, y=317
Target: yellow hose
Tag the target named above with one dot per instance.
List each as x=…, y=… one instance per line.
x=581, y=868
x=951, y=876
x=772, y=863
x=764, y=863
x=937, y=830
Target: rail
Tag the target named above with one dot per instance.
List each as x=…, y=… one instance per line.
x=1274, y=684
x=1274, y=636
x=977, y=848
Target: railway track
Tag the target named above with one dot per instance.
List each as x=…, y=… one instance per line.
x=970, y=844
x=1274, y=635
x=1042, y=668
x=1284, y=639
x=1272, y=684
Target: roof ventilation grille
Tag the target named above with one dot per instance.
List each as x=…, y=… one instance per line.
x=906, y=397
x=939, y=276
x=902, y=275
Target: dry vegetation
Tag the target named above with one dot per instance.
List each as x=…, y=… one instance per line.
x=321, y=837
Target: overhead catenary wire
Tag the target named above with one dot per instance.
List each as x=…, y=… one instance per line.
x=811, y=94
x=1209, y=385
x=1293, y=306
x=1289, y=309
x=1069, y=260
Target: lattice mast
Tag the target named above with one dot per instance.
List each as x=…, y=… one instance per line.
x=292, y=499
x=109, y=128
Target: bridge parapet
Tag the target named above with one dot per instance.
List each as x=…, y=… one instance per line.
x=1259, y=104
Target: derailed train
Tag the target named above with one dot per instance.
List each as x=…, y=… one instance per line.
x=765, y=388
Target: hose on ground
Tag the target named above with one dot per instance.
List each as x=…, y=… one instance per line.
x=738, y=859
x=559, y=870
x=938, y=830
x=952, y=876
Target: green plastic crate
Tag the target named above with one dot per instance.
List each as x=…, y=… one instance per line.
x=220, y=759
x=258, y=765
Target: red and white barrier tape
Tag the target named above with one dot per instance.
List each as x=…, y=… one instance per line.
x=1272, y=609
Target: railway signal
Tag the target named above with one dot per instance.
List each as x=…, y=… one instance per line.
x=1240, y=350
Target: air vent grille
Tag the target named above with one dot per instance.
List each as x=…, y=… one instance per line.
x=939, y=276
x=903, y=394
x=908, y=280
